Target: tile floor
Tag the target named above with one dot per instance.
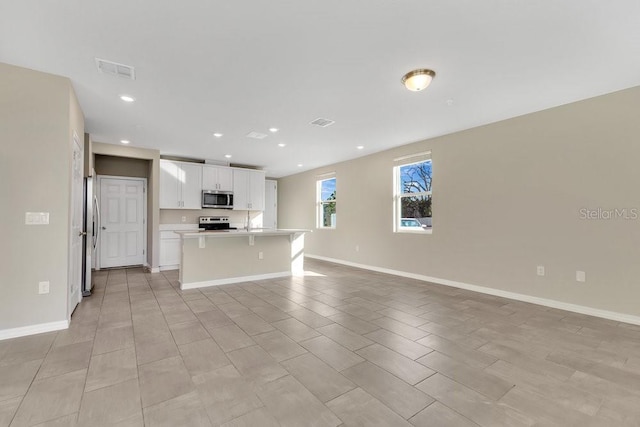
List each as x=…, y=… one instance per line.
x=340, y=346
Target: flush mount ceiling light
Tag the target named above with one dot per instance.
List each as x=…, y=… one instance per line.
x=418, y=80
x=125, y=141
x=127, y=98
x=282, y=144
x=273, y=130
x=228, y=156
x=217, y=135
x=360, y=147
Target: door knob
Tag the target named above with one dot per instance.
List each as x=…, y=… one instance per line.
x=82, y=233
x=104, y=228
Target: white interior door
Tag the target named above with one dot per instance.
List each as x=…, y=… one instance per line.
x=122, y=212
x=270, y=217
x=75, y=242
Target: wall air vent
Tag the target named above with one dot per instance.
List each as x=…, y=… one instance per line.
x=257, y=135
x=323, y=123
x=115, y=69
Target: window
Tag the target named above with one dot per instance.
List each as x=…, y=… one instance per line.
x=413, y=196
x=327, y=203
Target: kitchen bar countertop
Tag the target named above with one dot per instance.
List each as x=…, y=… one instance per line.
x=241, y=232
x=210, y=258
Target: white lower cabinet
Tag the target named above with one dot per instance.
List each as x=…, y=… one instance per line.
x=169, y=250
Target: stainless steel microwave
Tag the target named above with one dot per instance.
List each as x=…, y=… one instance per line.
x=217, y=199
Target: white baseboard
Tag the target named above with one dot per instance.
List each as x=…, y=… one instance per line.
x=231, y=280
x=33, y=329
x=169, y=267
x=605, y=314
x=155, y=269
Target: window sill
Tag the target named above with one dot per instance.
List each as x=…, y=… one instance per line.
x=429, y=231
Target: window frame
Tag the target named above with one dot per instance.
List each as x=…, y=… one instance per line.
x=321, y=203
x=398, y=195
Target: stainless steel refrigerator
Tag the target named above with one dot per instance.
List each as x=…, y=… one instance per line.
x=91, y=232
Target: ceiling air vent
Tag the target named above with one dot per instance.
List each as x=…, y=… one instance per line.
x=115, y=69
x=256, y=135
x=323, y=123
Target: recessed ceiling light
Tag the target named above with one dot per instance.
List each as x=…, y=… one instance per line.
x=217, y=135
x=360, y=147
x=125, y=141
x=127, y=98
x=274, y=130
x=300, y=165
x=282, y=144
x=228, y=156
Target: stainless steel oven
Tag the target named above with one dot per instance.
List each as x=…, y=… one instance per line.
x=217, y=199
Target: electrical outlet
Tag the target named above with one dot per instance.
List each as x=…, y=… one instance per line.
x=184, y=219
x=357, y=248
x=260, y=255
x=540, y=270
x=581, y=276
x=43, y=287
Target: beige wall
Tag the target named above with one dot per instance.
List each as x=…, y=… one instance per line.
x=89, y=157
x=121, y=166
x=506, y=198
x=38, y=114
x=121, y=160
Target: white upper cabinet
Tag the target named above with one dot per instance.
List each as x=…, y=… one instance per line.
x=191, y=185
x=217, y=178
x=248, y=189
x=180, y=185
x=170, y=197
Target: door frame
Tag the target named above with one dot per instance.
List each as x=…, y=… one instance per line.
x=144, y=212
x=76, y=198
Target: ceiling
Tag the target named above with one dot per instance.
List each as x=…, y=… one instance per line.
x=234, y=67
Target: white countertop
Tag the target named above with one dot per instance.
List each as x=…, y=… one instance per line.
x=241, y=233
x=178, y=227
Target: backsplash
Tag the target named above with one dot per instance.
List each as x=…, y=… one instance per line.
x=236, y=218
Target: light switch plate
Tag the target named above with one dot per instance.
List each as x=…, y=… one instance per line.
x=43, y=287
x=581, y=276
x=36, y=218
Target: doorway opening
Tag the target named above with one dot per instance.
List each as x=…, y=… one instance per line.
x=123, y=224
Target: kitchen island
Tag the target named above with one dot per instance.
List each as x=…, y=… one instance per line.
x=211, y=258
